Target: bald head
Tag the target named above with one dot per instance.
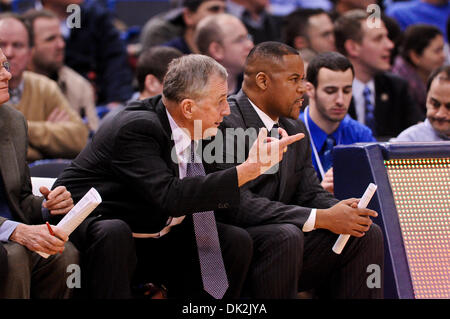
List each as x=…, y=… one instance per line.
x=267, y=57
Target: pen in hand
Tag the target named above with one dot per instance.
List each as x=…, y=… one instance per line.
x=50, y=230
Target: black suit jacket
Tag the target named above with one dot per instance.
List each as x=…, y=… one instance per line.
x=287, y=197
x=129, y=163
x=24, y=206
x=395, y=110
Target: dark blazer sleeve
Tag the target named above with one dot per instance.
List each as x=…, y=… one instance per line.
x=258, y=205
x=142, y=159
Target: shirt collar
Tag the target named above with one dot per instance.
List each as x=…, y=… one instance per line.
x=181, y=139
x=318, y=135
x=16, y=94
x=358, y=87
x=430, y=127
x=268, y=122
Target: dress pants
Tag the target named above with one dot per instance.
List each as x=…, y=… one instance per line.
x=172, y=260
x=31, y=276
x=108, y=258
x=342, y=276
x=3, y=263
x=286, y=260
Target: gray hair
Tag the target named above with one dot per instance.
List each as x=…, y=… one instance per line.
x=188, y=76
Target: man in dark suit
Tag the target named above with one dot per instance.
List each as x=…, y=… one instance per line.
x=380, y=99
x=292, y=196
x=137, y=162
x=24, y=273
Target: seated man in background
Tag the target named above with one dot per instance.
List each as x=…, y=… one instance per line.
x=25, y=274
x=381, y=100
x=437, y=124
x=54, y=128
x=94, y=49
x=329, y=87
x=225, y=38
x=193, y=12
x=47, y=58
x=144, y=164
x=309, y=30
x=150, y=70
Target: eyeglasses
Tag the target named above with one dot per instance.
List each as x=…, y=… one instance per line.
x=7, y=66
x=242, y=39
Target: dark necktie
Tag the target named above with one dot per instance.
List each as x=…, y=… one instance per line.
x=4, y=207
x=214, y=277
x=370, y=109
x=274, y=131
x=327, y=153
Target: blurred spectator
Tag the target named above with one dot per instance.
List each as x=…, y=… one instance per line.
x=176, y=27
x=95, y=49
x=285, y=7
x=262, y=25
x=422, y=51
x=437, y=125
x=225, y=39
x=309, y=30
x=54, y=129
x=151, y=69
x=343, y=6
x=380, y=99
x=47, y=58
x=193, y=12
x=434, y=12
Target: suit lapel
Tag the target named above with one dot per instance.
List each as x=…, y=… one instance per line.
x=381, y=100
x=160, y=110
x=8, y=164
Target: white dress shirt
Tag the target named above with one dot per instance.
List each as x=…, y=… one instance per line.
x=269, y=123
x=183, y=152
x=358, y=96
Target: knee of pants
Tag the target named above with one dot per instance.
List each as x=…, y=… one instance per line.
x=289, y=234
x=111, y=231
x=282, y=238
x=242, y=242
x=70, y=255
x=19, y=262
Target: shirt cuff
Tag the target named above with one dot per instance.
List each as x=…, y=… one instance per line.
x=310, y=222
x=6, y=229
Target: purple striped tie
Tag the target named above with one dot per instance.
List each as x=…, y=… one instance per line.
x=214, y=277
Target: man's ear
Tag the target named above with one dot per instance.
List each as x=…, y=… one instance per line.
x=187, y=108
x=352, y=48
x=310, y=90
x=152, y=84
x=262, y=80
x=188, y=17
x=300, y=42
x=216, y=51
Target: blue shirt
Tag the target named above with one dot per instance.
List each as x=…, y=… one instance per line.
x=348, y=132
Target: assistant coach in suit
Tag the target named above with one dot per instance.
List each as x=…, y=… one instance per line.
x=135, y=161
x=23, y=272
x=272, y=94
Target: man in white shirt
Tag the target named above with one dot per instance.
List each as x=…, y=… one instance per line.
x=437, y=125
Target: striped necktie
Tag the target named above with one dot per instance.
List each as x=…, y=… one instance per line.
x=212, y=268
x=370, y=109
